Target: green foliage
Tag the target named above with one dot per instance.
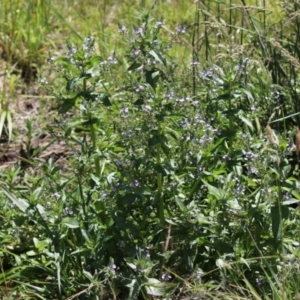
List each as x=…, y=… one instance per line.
x=173, y=188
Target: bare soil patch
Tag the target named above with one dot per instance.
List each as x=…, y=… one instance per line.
x=27, y=103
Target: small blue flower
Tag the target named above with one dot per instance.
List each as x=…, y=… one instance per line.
x=166, y=277
x=134, y=184
x=122, y=29
x=112, y=60
x=159, y=24
x=124, y=111
x=181, y=29
x=128, y=133
x=139, y=31
x=194, y=63
x=44, y=81
x=135, y=53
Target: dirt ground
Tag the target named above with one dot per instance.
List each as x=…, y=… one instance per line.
x=27, y=103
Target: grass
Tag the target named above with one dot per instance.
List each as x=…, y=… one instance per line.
x=181, y=174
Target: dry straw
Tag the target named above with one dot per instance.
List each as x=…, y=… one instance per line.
x=270, y=134
x=285, y=53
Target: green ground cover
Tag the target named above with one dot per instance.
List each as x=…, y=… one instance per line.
x=178, y=177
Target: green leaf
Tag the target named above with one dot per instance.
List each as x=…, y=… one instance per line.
x=94, y=71
x=130, y=198
x=67, y=105
x=290, y=201
x=2, y=121
x=161, y=170
x=156, y=288
x=152, y=78
x=104, y=98
x=22, y=204
x=134, y=289
x=156, y=140
x=9, y=125
x=95, y=60
x=202, y=219
x=218, y=143
x=278, y=214
x=172, y=133
x=134, y=66
x=63, y=60
x=131, y=265
x=296, y=195
x=157, y=57
x=90, y=122
x=234, y=204
x=71, y=83
x=139, y=101
x=88, y=275
x=218, y=193
x=31, y=253
x=180, y=204
x=85, y=235
x=247, y=122
x=247, y=93
x=41, y=245
x=70, y=222
x=41, y=209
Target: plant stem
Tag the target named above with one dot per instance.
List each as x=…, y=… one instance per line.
x=159, y=179
x=159, y=199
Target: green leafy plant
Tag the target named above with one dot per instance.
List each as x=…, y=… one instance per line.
x=171, y=187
